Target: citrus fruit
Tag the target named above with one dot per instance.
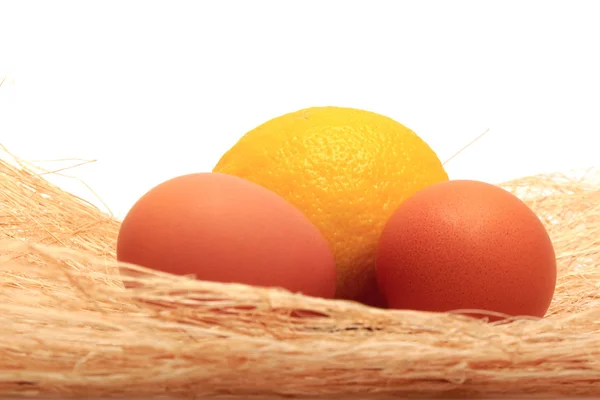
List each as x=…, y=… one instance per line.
x=347, y=170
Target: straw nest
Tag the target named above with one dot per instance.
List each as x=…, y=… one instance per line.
x=70, y=329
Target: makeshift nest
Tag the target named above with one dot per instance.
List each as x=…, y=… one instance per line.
x=69, y=328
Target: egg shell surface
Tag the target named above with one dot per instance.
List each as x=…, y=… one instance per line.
x=466, y=244
x=223, y=228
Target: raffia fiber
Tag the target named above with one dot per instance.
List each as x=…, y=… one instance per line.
x=68, y=328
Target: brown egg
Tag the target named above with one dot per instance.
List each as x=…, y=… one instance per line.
x=463, y=244
x=222, y=228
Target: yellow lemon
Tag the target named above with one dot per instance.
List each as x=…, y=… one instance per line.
x=347, y=170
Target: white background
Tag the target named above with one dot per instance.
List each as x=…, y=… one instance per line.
x=152, y=90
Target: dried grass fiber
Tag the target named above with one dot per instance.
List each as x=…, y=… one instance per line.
x=70, y=329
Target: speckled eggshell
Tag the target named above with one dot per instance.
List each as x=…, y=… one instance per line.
x=466, y=244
